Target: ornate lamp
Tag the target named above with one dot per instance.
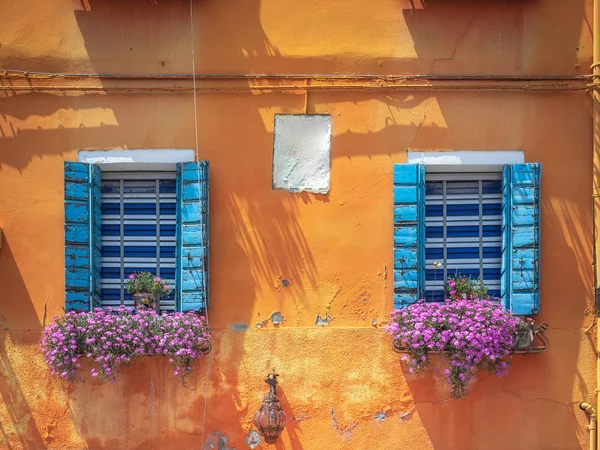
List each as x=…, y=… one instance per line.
x=270, y=418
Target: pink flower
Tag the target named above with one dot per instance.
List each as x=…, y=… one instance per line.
x=131, y=277
x=451, y=283
x=453, y=291
x=157, y=279
x=165, y=287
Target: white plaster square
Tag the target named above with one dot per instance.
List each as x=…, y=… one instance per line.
x=302, y=153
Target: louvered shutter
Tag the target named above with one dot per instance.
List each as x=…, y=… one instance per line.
x=463, y=229
x=409, y=233
x=82, y=235
x=521, y=238
x=138, y=232
x=192, y=235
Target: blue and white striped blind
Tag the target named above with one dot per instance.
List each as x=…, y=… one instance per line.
x=138, y=232
x=463, y=214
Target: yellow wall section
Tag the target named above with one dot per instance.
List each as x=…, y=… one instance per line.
x=336, y=250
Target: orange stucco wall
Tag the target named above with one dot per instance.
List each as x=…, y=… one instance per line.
x=336, y=250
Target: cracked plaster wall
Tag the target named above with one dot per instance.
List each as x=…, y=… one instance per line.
x=302, y=256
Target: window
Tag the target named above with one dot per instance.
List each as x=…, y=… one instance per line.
x=118, y=222
x=138, y=229
x=463, y=229
x=479, y=223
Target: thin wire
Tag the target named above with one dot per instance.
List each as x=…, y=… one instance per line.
x=205, y=290
x=194, y=76
x=201, y=224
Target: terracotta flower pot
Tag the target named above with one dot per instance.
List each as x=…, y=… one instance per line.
x=146, y=301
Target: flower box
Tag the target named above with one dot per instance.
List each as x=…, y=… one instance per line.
x=524, y=342
x=112, y=338
x=473, y=335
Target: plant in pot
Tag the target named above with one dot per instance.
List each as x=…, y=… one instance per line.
x=147, y=290
x=460, y=287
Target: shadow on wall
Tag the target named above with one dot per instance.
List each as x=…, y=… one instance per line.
x=292, y=428
x=443, y=32
x=261, y=241
x=16, y=314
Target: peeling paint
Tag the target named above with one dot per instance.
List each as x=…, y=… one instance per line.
x=253, y=439
x=380, y=416
x=277, y=318
x=216, y=441
x=406, y=415
x=282, y=282
x=335, y=424
x=320, y=321
x=301, y=418
x=239, y=327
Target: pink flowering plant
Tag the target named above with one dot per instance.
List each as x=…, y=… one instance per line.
x=112, y=338
x=472, y=335
x=146, y=283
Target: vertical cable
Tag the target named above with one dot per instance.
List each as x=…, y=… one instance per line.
x=194, y=77
x=201, y=224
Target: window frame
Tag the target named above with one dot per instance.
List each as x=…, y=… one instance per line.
x=121, y=242
x=520, y=223
x=82, y=218
x=436, y=176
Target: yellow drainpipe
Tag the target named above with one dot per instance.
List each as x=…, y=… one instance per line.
x=593, y=428
x=591, y=412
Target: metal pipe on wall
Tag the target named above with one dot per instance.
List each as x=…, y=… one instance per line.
x=16, y=74
x=591, y=412
x=596, y=208
x=299, y=88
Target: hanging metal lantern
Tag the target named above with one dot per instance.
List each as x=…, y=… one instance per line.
x=270, y=418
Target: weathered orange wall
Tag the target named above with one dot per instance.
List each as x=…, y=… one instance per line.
x=336, y=250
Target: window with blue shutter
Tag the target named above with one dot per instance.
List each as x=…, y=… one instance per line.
x=82, y=236
x=409, y=238
x=192, y=235
x=483, y=225
x=521, y=229
x=118, y=223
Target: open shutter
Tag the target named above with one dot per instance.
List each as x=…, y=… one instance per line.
x=409, y=233
x=82, y=235
x=521, y=238
x=192, y=236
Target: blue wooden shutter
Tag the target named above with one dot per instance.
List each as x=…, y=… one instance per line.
x=192, y=236
x=521, y=238
x=409, y=233
x=82, y=235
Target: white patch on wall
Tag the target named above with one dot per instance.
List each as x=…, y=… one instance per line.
x=302, y=153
